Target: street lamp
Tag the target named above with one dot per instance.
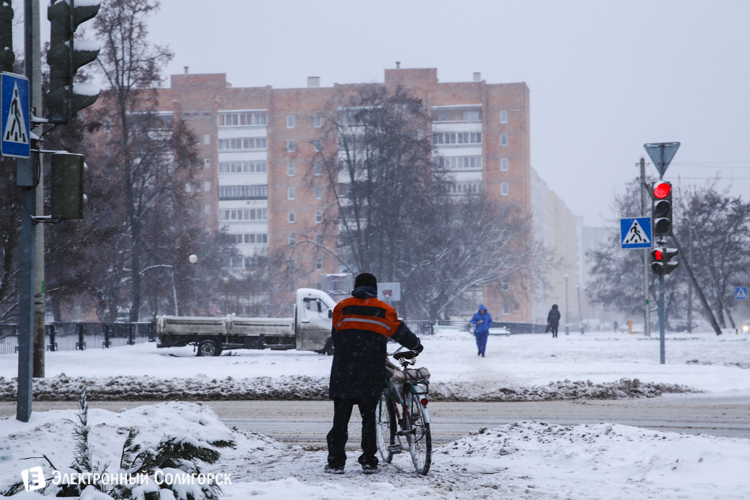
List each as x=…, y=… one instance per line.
x=174, y=288
x=580, y=314
x=194, y=260
x=567, y=327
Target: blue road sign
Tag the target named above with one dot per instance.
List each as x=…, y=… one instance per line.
x=740, y=292
x=14, y=118
x=635, y=232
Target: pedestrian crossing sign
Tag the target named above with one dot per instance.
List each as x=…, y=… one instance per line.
x=15, y=133
x=740, y=292
x=635, y=232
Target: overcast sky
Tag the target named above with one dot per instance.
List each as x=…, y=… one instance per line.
x=605, y=76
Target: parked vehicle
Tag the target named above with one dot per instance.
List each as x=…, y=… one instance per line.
x=308, y=330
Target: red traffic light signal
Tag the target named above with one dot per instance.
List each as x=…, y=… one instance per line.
x=662, y=190
x=660, y=258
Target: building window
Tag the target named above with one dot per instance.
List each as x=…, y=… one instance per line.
x=207, y=186
x=318, y=145
x=207, y=209
x=243, y=167
x=206, y=139
x=289, y=122
x=318, y=216
x=504, y=164
x=290, y=194
x=471, y=116
x=318, y=168
x=243, y=143
x=319, y=239
x=506, y=309
x=252, y=192
x=503, y=117
x=505, y=286
x=244, y=214
x=317, y=121
x=239, y=119
x=442, y=117
x=290, y=145
x=290, y=216
x=291, y=239
x=503, y=139
x=292, y=267
x=457, y=138
x=290, y=169
x=504, y=188
x=459, y=162
x=318, y=264
x=107, y=126
x=318, y=193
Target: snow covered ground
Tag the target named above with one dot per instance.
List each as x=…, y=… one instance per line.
x=519, y=367
x=527, y=460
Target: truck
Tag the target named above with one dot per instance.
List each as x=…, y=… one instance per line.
x=308, y=330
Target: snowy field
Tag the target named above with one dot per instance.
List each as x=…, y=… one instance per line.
x=524, y=460
x=519, y=367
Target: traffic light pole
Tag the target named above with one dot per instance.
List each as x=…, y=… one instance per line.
x=662, y=312
x=27, y=180
x=646, y=254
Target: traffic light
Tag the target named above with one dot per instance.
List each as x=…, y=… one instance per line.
x=7, y=57
x=66, y=197
x=661, y=208
x=660, y=257
x=66, y=54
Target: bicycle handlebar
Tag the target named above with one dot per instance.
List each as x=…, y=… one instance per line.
x=405, y=355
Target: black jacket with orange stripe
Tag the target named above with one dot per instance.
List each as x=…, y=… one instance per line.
x=362, y=325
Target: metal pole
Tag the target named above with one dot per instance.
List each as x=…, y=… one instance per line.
x=26, y=179
x=567, y=326
x=690, y=283
x=195, y=288
x=580, y=314
x=661, y=319
x=174, y=294
x=35, y=84
x=646, y=253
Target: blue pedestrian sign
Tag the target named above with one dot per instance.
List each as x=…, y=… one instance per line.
x=635, y=232
x=14, y=117
x=740, y=292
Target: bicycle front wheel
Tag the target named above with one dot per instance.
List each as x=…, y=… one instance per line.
x=385, y=429
x=419, y=438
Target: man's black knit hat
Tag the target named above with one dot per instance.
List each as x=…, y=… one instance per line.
x=366, y=279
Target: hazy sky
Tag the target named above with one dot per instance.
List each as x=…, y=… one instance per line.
x=605, y=76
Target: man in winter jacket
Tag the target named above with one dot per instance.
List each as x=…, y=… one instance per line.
x=553, y=320
x=362, y=325
x=482, y=321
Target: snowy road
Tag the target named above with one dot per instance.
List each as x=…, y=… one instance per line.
x=306, y=423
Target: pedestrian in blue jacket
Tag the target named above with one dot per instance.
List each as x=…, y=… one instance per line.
x=482, y=321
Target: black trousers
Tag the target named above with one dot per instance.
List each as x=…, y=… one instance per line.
x=553, y=329
x=339, y=434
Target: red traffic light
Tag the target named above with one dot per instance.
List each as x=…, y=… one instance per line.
x=662, y=190
x=658, y=255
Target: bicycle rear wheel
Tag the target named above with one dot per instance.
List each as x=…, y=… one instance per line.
x=385, y=429
x=420, y=439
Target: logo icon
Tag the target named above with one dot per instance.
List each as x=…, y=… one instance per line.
x=33, y=479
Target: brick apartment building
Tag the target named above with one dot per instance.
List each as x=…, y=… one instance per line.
x=256, y=144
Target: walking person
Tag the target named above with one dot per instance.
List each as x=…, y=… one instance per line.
x=553, y=320
x=361, y=327
x=482, y=321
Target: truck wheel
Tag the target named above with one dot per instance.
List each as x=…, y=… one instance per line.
x=209, y=348
x=328, y=349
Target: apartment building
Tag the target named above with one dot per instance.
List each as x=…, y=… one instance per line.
x=258, y=182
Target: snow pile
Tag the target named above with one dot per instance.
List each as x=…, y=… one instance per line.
x=301, y=388
x=606, y=461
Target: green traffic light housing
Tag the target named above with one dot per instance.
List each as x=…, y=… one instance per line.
x=660, y=260
x=7, y=57
x=661, y=208
x=66, y=55
x=66, y=196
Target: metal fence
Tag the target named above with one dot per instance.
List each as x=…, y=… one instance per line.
x=463, y=326
x=81, y=336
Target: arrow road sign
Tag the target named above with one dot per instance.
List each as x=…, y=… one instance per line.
x=14, y=116
x=635, y=232
x=661, y=153
x=740, y=292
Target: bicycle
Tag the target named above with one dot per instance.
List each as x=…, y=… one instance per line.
x=407, y=389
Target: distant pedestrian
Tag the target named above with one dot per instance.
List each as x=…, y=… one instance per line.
x=553, y=320
x=482, y=321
